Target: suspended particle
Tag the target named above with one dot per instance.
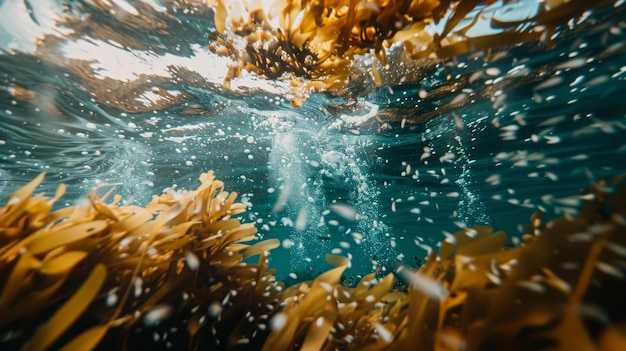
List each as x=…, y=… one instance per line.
x=156, y=315
x=112, y=298
x=347, y=212
x=475, y=76
x=458, y=121
x=450, y=238
x=552, y=139
x=192, y=260
x=552, y=121
x=596, y=81
x=137, y=284
x=460, y=224
x=215, y=309
x=573, y=63
x=429, y=287
x=553, y=177
x=610, y=270
x=383, y=333
x=532, y=286
x=513, y=201
x=301, y=220
x=458, y=99
x=549, y=83
x=471, y=232
x=326, y=286
x=493, y=179
x=427, y=248
x=493, y=71
x=243, y=341
x=494, y=278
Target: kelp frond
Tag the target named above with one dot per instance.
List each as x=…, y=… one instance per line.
x=106, y=268
x=173, y=275
x=318, y=40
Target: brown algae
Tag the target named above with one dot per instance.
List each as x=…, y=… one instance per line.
x=172, y=275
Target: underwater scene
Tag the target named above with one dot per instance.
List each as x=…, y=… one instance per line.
x=313, y=175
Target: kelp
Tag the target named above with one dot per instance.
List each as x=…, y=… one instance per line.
x=561, y=289
x=172, y=275
x=105, y=270
x=314, y=43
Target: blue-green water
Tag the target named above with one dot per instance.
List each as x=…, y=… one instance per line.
x=135, y=100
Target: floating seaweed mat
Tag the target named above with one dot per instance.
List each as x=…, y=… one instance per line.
x=172, y=276
x=318, y=40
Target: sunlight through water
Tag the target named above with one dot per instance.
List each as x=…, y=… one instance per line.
x=363, y=132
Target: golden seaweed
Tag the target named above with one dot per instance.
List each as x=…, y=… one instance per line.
x=69, y=312
x=315, y=43
x=178, y=264
x=150, y=254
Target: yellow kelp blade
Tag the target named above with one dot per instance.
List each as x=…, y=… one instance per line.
x=12, y=285
x=53, y=239
x=319, y=332
x=17, y=202
x=67, y=314
x=62, y=263
x=87, y=340
x=220, y=17
x=261, y=247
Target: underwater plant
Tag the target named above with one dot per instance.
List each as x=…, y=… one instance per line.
x=172, y=275
x=104, y=271
x=315, y=43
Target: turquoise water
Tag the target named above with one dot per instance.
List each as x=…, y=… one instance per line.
x=135, y=100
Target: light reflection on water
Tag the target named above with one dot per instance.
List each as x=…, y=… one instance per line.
x=137, y=101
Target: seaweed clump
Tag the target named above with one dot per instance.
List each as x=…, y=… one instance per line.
x=173, y=275
x=314, y=42
x=561, y=289
x=107, y=274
